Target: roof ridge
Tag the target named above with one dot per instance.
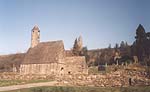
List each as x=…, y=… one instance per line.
x=52, y=41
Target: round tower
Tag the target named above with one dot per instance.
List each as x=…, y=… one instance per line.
x=35, y=36
x=80, y=43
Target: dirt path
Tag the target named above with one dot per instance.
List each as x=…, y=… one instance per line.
x=15, y=87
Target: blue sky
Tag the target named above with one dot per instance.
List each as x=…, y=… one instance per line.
x=100, y=22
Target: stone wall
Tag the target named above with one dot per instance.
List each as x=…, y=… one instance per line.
x=121, y=78
x=69, y=65
x=17, y=76
x=118, y=78
x=52, y=68
x=75, y=65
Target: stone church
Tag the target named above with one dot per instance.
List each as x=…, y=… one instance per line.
x=50, y=58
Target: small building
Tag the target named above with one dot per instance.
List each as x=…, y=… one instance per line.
x=50, y=58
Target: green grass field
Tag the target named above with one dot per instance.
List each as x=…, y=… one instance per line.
x=84, y=89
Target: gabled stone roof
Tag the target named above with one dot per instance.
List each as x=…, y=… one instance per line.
x=45, y=52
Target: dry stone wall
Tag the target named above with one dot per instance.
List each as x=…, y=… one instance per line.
x=120, y=78
x=17, y=76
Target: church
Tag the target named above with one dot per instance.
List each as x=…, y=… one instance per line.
x=48, y=58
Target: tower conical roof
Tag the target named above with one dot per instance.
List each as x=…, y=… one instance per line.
x=35, y=28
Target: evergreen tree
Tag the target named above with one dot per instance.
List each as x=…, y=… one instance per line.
x=116, y=47
x=122, y=44
x=126, y=44
x=140, y=47
x=75, y=48
x=109, y=47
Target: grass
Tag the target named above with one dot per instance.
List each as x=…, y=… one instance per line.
x=18, y=82
x=84, y=89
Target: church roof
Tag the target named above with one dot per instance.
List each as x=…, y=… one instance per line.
x=35, y=28
x=45, y=52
